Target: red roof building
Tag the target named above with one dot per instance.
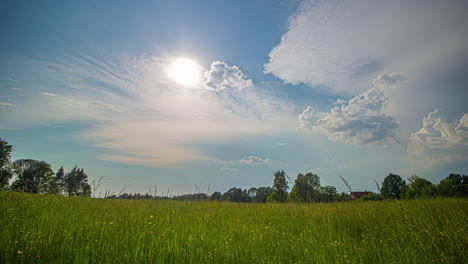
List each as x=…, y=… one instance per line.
x=357, y=195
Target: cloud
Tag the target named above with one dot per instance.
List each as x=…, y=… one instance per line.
x=133, y=113
x=438, y=141
x=6, y=105
x=224, y=167
x=221, y=76
x=48, y=94
x=340, y=45
x=360, y=121
x=254, y=160
x=251, y=160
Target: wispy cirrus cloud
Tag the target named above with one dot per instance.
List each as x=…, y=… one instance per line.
x=6, y=105
x=137, y=115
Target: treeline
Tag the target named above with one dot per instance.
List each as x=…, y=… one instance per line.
x=38, y=177
x=393, y=186
x=307, y=188
x=35, y=176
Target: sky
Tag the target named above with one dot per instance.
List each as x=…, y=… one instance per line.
x=351, y=88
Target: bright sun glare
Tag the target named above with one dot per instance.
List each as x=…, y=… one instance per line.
x=185, y=72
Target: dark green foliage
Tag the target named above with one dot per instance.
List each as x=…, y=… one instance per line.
x=274, y=197
x=372, y=197
x=5, y=164
x=392, y=185
x=418, y=188
x=76, y=183
x=60, y=180
x=33, y=176
x=280, y=184
x=235, y=195
x=262, y=194
x=328, y=194
x=216, y=196
x=251, y=194
x=306, y=188
x=454, y=185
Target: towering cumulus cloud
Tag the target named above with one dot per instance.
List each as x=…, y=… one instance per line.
x=360, y=121
x=439, y=141
x=222, y=76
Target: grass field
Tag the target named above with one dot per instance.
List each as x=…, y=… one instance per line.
x=53, y=229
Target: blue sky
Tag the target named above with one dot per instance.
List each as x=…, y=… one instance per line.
x=357, y=89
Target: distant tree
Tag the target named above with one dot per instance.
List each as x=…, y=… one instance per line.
x=280, y=184
x=200, y=197
x=418, y=188
x=446, y=188
x=454, y=185
x=328, y=194
x=262, y=194
x=33, y=176
x=5, y=164
x=306, y=188
x=76, y=183
x=343, y=197
x=60, y=179
x=251, y=195
x=235, y=195
x=392, y=185
x=238, y=195
x=215, y=196
x=56, y=184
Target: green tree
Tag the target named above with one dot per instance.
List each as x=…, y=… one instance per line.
x=418, y=188
x=235, y=195
x=56, y=184
x=216, y=196
x=328, y=194
x=33, y=176
x=280, y=184
x=306, y=188
x=251, y=195
x=392, y=185
x=262, y=194
x=5, y=164
x=454, y=185
x=76, y=183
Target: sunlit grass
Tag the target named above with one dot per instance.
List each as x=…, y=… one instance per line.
x=53, y=229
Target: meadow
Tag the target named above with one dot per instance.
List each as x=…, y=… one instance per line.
x=55, y=229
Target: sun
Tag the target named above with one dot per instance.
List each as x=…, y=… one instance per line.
x=185, y=72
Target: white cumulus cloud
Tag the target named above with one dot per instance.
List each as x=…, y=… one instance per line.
x=221, y=76
x=360, y=121
x=437, y=133
x=254, y=160
x=438, y=142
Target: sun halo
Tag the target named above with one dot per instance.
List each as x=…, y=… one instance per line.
x=185, y=71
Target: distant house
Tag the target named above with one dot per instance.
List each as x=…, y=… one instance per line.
x=357, y=195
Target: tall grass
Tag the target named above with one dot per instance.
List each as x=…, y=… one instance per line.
x=53, y=229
